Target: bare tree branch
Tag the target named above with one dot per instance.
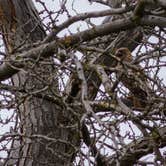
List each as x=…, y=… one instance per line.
x=44, y=50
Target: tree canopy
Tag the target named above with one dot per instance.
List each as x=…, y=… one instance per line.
x=83, y=88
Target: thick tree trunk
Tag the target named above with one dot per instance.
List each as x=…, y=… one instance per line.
x=39, y=118
x=49, y=131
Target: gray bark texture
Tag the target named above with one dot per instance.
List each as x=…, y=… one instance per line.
x=53, y=123
x=21, y=25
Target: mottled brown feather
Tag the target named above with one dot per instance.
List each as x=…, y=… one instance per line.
x=138, y=95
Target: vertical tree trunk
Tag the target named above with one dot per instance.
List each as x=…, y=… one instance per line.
x=20, y=26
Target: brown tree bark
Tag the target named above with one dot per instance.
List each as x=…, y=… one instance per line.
x=21, y=26
x=49, y=126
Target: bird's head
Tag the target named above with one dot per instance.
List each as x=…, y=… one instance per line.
x=124, y=54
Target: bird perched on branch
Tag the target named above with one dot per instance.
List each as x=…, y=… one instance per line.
x=132, y=78
x=124, y=54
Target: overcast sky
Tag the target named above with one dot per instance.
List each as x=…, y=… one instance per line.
x=80, y=6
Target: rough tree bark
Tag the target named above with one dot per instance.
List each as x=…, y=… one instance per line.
x=20, y=25
x=49, y=126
